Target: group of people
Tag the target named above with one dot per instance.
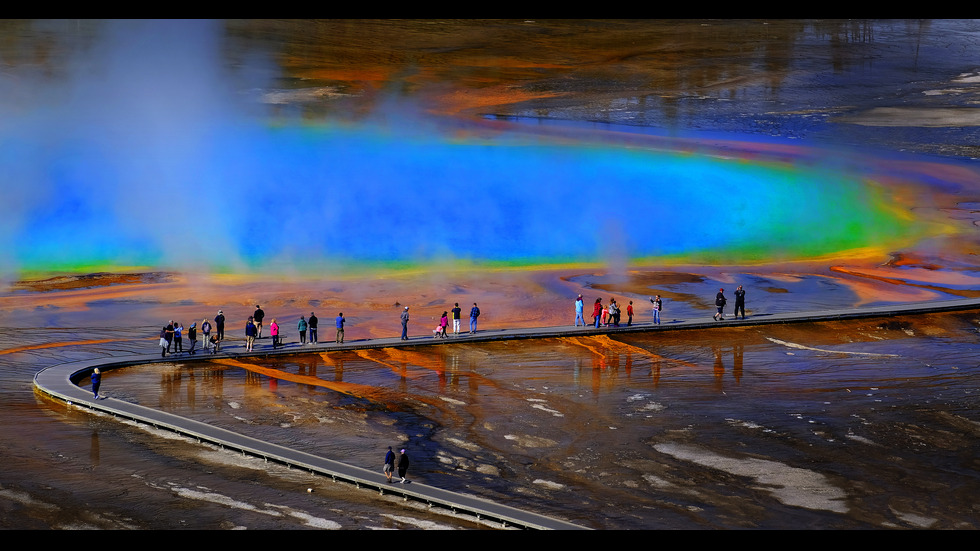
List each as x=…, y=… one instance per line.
x=389, y=465
x=603, y=315
x=721, y=301
x=610, y=315
x=442, y=329
x=172, y=335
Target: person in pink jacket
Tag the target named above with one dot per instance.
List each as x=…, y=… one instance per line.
x=274, y=333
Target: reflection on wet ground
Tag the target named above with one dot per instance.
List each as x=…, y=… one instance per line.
x=845, y=424
x=770, y=427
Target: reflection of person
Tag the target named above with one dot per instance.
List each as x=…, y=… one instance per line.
x=96, y=382
x=340, y=328
x=403, y=465
x=404, y=319
x=740, y=301
x=579, y=310
x=720, y=302
x=658, y=305
x=389, y=464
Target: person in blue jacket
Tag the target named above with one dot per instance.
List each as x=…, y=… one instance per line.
x=389, y=466
x=96, y=382
x=474, y=313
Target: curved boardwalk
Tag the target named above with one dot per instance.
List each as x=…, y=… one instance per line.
x=60, y=381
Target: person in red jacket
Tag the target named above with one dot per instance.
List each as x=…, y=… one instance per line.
x=597, y=312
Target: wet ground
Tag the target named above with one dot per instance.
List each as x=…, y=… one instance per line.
x=868, y=424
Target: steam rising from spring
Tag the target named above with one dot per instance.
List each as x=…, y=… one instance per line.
x=147, y=152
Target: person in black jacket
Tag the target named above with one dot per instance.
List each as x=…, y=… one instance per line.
x=219, y=325
x=740, y=302
x=402, y=466
x=312, y=324
x=720, y=302
x=257, y=317
x=192, y=337
x=389, y=465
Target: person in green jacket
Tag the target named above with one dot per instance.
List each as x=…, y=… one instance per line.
x=301, y=327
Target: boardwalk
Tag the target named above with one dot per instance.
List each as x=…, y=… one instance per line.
x=60, y=382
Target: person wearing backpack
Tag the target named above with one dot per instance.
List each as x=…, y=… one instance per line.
x=206, y=332
x=720, y=302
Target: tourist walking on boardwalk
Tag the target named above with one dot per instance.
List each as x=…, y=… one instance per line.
x=389, y=466
x=192, y=337
x=740, y=301
x=340, y=328
x=720, y=302
x=178, y=337
x=257, y=317
x=579, y=311
x=274, y=333
x=249, y=334
x=404, y=319
x=403, y=466
x=443, y=324
x=312, y=323
x=96, y=382
x=597, y=312
x=474, y=313
x=301, y=327
x=613, y=313
x=164, y=342
x=206, y=332
x=658, y=306
x=457, y=314
x=219, y=325
x=629, y=314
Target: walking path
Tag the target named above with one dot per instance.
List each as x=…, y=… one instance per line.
x=61, y=382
